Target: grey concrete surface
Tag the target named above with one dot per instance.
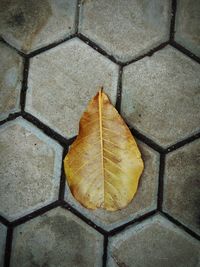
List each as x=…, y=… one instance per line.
x=56, y=238
x=154, y=242
x=160, y=99
x=125, y=28
x=30, y=169
x=182, y=185
x=10, y=80
x=161, y=96
x=3, y=231
x=187, y=28
x=30, y=25
x=63, y=80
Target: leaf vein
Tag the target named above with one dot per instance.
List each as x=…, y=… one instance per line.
x=89, y=161
x=115, y=165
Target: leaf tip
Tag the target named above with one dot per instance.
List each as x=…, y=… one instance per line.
x=101, y=89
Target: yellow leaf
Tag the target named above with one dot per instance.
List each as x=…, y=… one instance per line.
x=104, y=164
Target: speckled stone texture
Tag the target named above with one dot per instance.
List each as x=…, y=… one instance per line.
x=57, y=238
x=30, y=25
x=55, y=55
x=10, y=80
x=144, y=201
x=63, y=80
x=182, y=185
x=161, y=96
x=3, y=232
x=125, y=28
x=155, y=242
x=30, y=168
x=187, y=28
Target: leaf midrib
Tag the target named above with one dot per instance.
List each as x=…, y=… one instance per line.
x=101, y=139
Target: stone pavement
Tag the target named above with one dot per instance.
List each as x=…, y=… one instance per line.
x=54, y=55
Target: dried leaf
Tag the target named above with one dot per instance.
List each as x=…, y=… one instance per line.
x=104, y=164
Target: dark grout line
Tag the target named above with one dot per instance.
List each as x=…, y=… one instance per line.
x=52, y=45
x=173, y=17
x=4, y=221
x=119, y=90
x=185, y=51
x=8, y=247
x=98, y=48
x=55, y=204
x=48, y=131
x=137, y=220
x=182, y=143
x=148, y=54
x=83, y=218
x=147, y=140
x=180, y=225
x=35, y=213
x=10, y=117
x=78, y=7
x=12, y=47
x=24, y=84
x=63, y=178
x=66, y=142
x=105, y=248
x=92, y=44
x=161, y=182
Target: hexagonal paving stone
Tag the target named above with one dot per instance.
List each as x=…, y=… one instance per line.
x=57, y=238
x=63, y=80
x=182, y=185
x=29, y=25
x=161, y=96
x=154, y=242
x=10, y=77
x=3, y=232
x=125, y=28
x=187, y=27
x=144, y=201
x=29, y=169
